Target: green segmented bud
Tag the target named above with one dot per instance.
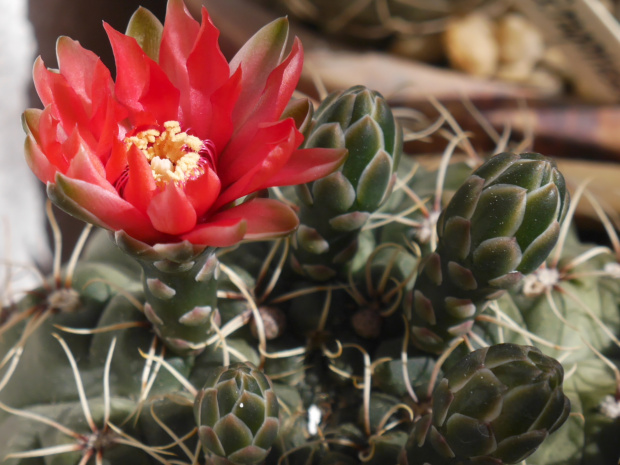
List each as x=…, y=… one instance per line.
x=496, y=406
x=334, y=209
x=237, y=415
x=500, y=225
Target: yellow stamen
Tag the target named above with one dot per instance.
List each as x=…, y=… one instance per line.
x=174, y=155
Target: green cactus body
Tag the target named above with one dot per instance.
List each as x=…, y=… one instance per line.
x=180, y=285
x=496, y=406
x=501, y=224
x=334, y=209
x=237, y=415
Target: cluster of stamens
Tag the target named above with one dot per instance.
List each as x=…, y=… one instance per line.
x=175, y=156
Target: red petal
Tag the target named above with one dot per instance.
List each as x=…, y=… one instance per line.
x=140, y=186
x=266, y=218
x=117, y=163
x=66, y=105
x=171, y=212
x=242, y=156
x=202, y=192
x=178, y=38
x=31, y=119
x=306, y=165
x=49, y=133
x=222, y=104
x=140, y=82
x=221, y=233
x=208, y=71
x=270, y=163
x=38, y=162
x=84, y=72
x=257, y=58
x=277, y=93
x=85, y=166
x=112, y=211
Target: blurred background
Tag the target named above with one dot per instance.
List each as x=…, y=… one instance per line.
x=494, y=68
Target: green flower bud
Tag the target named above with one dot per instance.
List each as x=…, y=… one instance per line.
x=237, y=414
x=501, y=224
x=496, y=406
x=336, y=207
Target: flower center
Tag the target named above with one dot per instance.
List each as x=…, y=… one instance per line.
x=175, y=156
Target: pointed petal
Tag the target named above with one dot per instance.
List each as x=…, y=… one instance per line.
x=171, y=212
x=306, y=165
x=276, y=95
x=218, y=233
x=87, y=167
x=243, y=156
x=202, y=192
x=222, y=104
x=38, y=162
x=140, y=82
x=40, y=75
x=140, y=186
x=208, y=71
x=105, y=208
x=84, y=72
x=49, y=133
x=31, y=119
x=257, y=58
x=66, y=105
x=117, y=163
x=268, y=160
x=178, y=38
x=266, y=218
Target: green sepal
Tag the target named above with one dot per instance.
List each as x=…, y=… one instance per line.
x=147, y=30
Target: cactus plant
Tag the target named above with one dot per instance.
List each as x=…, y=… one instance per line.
x=291, y=329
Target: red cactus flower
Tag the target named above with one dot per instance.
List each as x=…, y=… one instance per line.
x=172, y=149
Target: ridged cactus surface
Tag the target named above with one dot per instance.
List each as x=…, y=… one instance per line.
x=501, y=223
x=496, y=406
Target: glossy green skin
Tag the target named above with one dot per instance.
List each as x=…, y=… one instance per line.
x=500, y=225
x=495, y=406
x=334, y=209
x=237, y=414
